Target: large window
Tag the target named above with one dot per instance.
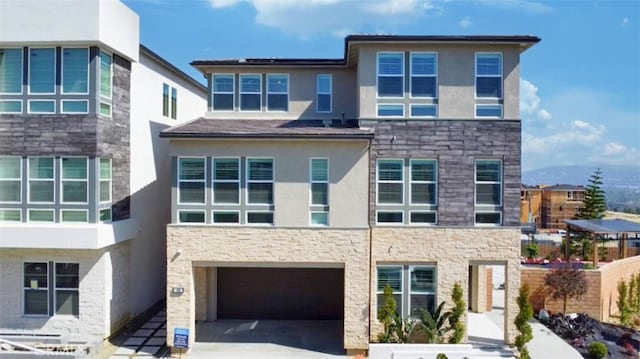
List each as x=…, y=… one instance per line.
x=191, y=180
x=223, y=87
x=277, y=92
x=390, y=74
x=413, y=286
x=106, y=83
x=10, y=179
x=259, y=181
x=74, y=180
x=323, y=93
x=42, y=70
x=75, y=71
x=10, y=71
x=390, y=181
x=424, y=69
x=489, y=75
x=488, y=202
x=250, y=92
x=41, y=177
x=226, y=181
x=105, y=180
x=319, y=178
x=51, y=288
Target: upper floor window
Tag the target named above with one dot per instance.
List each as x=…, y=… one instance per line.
x=174, y=103
x=323, y=93
x=223, y=88
x=277, y=92
x=226, y=181
x=319, y=173
x=250, y=92
x=74, y=180
x=424, y=69
x=169, y=101
x=488, y=202
x=191, y=180
x=42, y=70
x=75, y=71
x=11, y=71
x=390, y=74
x=390, y=181
x=489, y=111
x=489, y=75
x=41, y=177
x=106, y=83
x=10, y=179
x=259, y=181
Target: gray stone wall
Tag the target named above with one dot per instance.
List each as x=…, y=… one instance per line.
x=456, y=144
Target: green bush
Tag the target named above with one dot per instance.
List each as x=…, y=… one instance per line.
x=597, y=350
x=522, y=322
x=532, y=250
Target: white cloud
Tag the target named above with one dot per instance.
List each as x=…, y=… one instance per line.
x=533, y=7
x=613, y=148
x=465, y=23
x=544, y=114
x=625, y=21
x=305, y=18
x=530, y=102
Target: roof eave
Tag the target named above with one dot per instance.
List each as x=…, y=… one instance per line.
x=366, y=136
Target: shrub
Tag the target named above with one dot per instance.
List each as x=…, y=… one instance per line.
x=532, y=250
x=522, y=322
x=396, y=330
x=597, y=350
x=623, y=306
x=455, y=319
x=433, y=324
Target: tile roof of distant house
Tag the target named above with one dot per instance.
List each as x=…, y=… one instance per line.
x=565, y=187
x=239, y=128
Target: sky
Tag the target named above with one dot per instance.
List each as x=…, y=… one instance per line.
x=579, y=88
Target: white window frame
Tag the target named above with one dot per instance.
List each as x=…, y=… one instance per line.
x=311, y=213
x=110, y=214
x=381, y=291
x=214, y=211
x=247, y=182
x=411, y=106
x=412, y=75
x=40, y=100
x=204, y=212
x=73, y=210
x=21, y=72
x=475, y=78
x=15, y=179
x=110, y=180
x=62, y=180
x=312, y=181
x=13, y=112
x=203, y=181
x=411, y=182
x=410, y=291
x=62, y=71
x=19, y=210
x=74, y=113
x=110, y=97
x=24, y=289
x=423, y=224
x=41, y=210
x=488, y=105
x=402, y=74
x=168, y=88
x=55, y=290
x=286, y=75
x=330, y=92
x=55, y=67
x=246, y=218
x=483, y=208
x=400, y=210
x=389, y=104
x=173, y=107
x=53, y=180
x=214, y=181
x=378, y=182
x=240, y=92
x=232, y=93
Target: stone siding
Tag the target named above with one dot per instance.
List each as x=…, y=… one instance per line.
x=192, y=246
x=452, y=250
x=456, y=144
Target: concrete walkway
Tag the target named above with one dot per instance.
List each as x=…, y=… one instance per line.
x=146, y=341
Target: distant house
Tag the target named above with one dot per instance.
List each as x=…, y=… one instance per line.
x=560, y=202
x=531, y=205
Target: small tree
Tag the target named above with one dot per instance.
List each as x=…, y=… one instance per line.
x=532, y=251
x=522, y=322
x=594, y=199
x=565, y=283
x=433, y=324
x=631, y=296
x=395, y=328
x=636, y=280
x=455, y=319
x=623, y=305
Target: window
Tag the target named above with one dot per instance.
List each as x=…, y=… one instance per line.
x=10, y=215
x=259, y=181
x=10, y=106
x=259, y=217
x=223, y=88
x=250, y=92
x=424, y=75
x=75, y=106
x=106, y=85
x=390, y=74
x=390, y=110
x=74, y=180
x=390, y=181
x=226, y=181
x=488, y=192
x=105, y=180
x=75, y=71
x=225, y=217
x=323, y=93
x=319, y=178
x=423, y=182
x=277, y=92
x=165, y=100
x=489, y=75
x=42, y=70
x=414, y=288
x=45, y=281
x=10, y=179
x=41, y=179
x=10, y=71
x=424, y=110
x=389, y=217
x=74, y=216
x=169, y=104
x=42, y=106
x=190, y=216
x=174, y=103
x=41, y=215
x=191, y=180
x=489, y=111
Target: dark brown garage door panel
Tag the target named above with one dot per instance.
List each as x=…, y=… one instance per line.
x=280, y=293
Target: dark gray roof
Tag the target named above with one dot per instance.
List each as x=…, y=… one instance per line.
x=159, y=59
x=605, y=225
x=239, y=128
x=272, y=62
x=565, y=187
x=443, y=38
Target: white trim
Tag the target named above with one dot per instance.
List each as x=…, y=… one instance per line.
x=286, y=75
x=214, y=181
x=246, y=218
x=21, y=71
x=386, y=181
x=311, y=213
x=19, y=210
x=381, y=291
x=398, y=75
x=55, y=56
x=411, y=181
x=410, y=292
x=488, y=105
x=29, y=101
x=73, y=210
x=248, y=181
x=214, y=211
x=52, y=180
x=423, y=224
x=100, y=180
x=73, y=113
x=62, y=180
x=312, y=181
x=499, y=224
x=13, y=179
x=100, y=52
x=475, y=77
x=488, y=208
x=62, y=71
x=55, y=290
x=411, y=75
x=232, y=93
x=240, y=92
x=13, y=112
x=53, y=212
x=330, y=93
x=411, y=106
x=173, y=108
x=204, y=216
x=23, y=291
x=203, y=181
x=401, y=211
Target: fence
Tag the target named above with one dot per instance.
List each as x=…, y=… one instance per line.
x=607, y=253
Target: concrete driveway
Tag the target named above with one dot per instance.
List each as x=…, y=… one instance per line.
x=238, y=339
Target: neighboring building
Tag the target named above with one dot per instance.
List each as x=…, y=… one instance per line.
x=316, y=182
x=560, y=202
x=531, y=205
x=83, y=175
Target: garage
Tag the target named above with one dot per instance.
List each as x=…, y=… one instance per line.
x=280, y=293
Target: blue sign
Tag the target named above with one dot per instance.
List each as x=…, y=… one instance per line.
x=181, y=338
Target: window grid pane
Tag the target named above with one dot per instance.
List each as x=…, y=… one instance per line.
x=390, y=74
x=75, y=70
x=489, y=75
x=319, y=218
x=223, y=88
x=75, y=216
x=260, y=217
x=323, y=93
x=74, y=180
x=10, y=179
x=174, y=103
x=191, y=217
x=226, y=180
x=277, y=92
x=35, y=287
x=11, y=71
x=105, y=75
x=165, y=100
x=42, y=70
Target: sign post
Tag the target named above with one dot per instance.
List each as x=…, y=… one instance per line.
x=181, y=339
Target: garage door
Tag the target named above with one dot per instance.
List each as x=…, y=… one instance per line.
x=280, y=293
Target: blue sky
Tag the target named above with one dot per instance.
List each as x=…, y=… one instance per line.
x=580, y=87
